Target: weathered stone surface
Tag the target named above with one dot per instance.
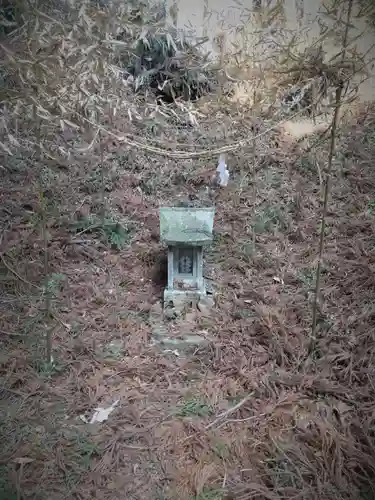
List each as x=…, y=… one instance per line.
x=191, y=226
x=188, y=339
x=206, y=305
x=206, y=301
x=180, y=303
x=205, y=311
x=185, y=343
x=210, y=286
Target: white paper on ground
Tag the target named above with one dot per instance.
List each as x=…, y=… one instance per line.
x=223, y=172
x=100, y=414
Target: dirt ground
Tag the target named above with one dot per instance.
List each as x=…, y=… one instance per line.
x=264, y=412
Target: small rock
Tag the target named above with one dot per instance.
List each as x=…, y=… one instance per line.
x=205, y=305
x=204, y=310
x=195, y=339
x=170, y=313
x=184, y=343
x=180, y=304
x=209, y=285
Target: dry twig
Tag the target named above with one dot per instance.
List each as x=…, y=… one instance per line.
x=230, y=411
x=16, y=274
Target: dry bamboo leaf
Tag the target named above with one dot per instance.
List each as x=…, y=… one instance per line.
x=6, y=149
x=116, y=42
x=71, y=124
x=13, y=140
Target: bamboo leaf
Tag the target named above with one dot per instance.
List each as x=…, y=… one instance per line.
x=6, y=149
x=13, y=141
x=71, y=124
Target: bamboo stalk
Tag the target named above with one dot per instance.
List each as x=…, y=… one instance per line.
x=254, y=178
x=339, y=92
x=102, y=178
x=46, y=279
x=47, y=297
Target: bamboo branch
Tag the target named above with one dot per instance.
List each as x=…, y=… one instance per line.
x=24, y=280
x=230, y=411
x=339, y=92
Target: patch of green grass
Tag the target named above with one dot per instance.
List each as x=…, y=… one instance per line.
x=53, y=283
x=85, y=450
x=371, y=207
x=47, y=177
x=114, y=233
x=151, y=185
x=244, y=313
x=269, y=219
x=46, y=369
x=307, y=276
x=209, y=494
x=95, y=180
x=304, y=164
x=195, y=407
x=114, y=350
x=272, y=179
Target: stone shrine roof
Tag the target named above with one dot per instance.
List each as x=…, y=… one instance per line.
x=186, y=226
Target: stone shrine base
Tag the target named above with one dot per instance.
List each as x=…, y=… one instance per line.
x=182, y=311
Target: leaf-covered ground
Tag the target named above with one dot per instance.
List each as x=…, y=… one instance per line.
x=306, y=427
x=265, y=411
